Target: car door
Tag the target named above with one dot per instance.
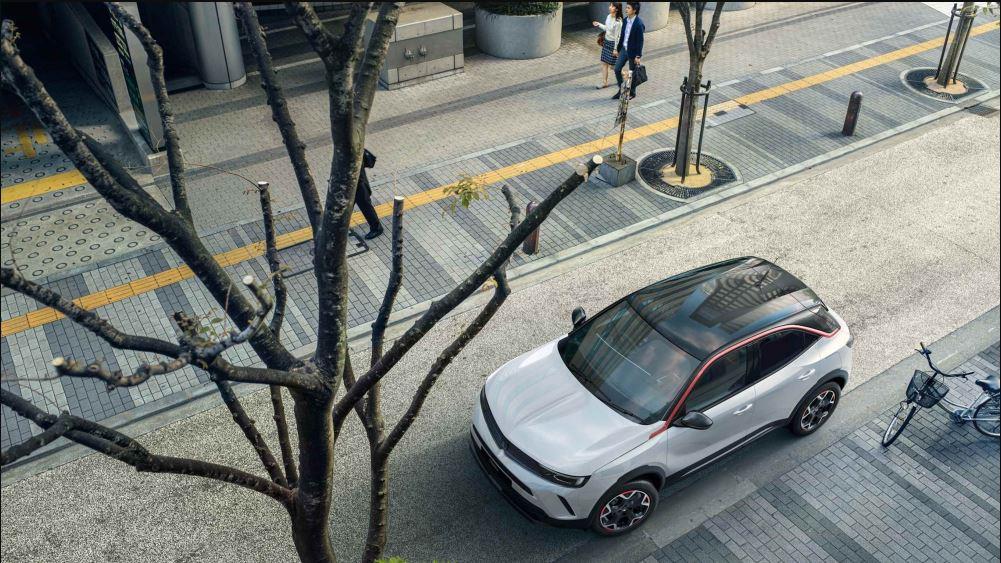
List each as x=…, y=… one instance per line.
x=784, y=369
x=723, y=394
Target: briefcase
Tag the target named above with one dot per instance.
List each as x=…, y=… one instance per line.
x=639, y=76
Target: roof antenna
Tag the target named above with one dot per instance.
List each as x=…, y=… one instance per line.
x=764, y=275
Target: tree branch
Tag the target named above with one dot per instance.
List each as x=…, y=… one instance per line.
x=61, y=426
x=250, y=431
x=172, y=142
x=501, y=292
x=284, y=442
x=127, y=450
x=395, y=282
x=271, y=253
x=457, y=295
x=368, y=82
x=295, y=147
x=96, y=370
x=713, y=28
x=684, y=10
x=10, y=278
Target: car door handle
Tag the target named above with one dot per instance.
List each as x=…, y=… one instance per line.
x=744, y=409
x=806, y=375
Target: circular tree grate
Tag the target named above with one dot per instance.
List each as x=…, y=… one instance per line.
x=916, y=79
x=651, y=174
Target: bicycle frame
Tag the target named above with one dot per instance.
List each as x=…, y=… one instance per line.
x=959, y=412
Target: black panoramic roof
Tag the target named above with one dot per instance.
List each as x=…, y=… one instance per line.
x=702, y=310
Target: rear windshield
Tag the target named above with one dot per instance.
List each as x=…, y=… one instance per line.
x=627, y=364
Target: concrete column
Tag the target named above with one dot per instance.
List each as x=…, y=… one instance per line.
x=217, y=42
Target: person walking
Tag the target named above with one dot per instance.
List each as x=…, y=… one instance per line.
x=611, y=30
x=363, y=198
x=629, y=48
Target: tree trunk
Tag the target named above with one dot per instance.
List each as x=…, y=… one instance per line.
x=310, y=510
x=949, y=66
x=686, y=121
x=378, y=508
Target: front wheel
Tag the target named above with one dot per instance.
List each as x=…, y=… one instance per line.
x=624, y=508
x=899, y=421
x=987, y=418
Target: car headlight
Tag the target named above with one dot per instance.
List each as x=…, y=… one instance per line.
x=562, y=479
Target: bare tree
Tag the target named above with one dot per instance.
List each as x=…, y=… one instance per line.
x=699, y=43
x=324, y=387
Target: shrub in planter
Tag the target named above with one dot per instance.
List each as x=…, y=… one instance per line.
x=519, y=30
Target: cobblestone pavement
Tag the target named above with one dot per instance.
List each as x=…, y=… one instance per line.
x=792, y=116
x=932, y=496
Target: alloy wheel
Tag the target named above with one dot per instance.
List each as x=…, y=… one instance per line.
x=624, y=510
x=818, y=410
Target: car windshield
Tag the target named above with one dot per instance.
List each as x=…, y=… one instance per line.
x=627, y=364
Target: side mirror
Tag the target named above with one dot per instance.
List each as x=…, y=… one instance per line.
x=695, y=420
x=578, y=316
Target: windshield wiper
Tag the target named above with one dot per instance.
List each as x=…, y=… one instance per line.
x=608, y=401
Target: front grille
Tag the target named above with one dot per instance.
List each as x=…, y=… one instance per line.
x=516, y=454
x=493, y=466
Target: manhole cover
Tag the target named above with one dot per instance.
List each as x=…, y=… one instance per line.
x=917, y=79
x=656, y=172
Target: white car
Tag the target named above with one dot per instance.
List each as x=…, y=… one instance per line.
x=586, y=430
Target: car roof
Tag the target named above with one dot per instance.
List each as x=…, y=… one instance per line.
x=705, y=309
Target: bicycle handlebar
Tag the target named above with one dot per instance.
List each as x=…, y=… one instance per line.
x=924, y=351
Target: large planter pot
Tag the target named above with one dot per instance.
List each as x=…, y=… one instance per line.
x=653, y=14
x=519, y=37
x=730, y=6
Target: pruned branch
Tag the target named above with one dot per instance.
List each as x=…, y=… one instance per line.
x=271, y=253
x=96, y=370
x=713, y=28
x=284, y=442
x=172, y=142
x=336, y=55
x=127, y=450
x=294, y=145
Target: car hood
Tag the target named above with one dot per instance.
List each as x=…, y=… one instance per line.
x=543, y=410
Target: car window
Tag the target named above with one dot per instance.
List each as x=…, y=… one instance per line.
x=724, y=377
x=627, y=364
x=778, y=349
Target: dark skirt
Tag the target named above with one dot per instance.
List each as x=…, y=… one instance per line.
x=606, y=53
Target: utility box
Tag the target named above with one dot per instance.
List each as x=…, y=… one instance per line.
x=427, y=44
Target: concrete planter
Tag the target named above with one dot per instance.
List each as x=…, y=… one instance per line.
x=653, y=14
x=519, y=37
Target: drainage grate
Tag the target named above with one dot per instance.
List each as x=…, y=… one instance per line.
x=982, y=110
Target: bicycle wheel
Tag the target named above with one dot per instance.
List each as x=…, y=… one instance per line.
x=898, y=423
x=987, y=418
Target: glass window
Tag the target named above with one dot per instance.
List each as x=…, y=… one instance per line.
x=724, y=377
x=778, y=349
x=620, y=358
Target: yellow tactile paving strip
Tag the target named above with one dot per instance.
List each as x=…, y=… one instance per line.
x=235, y=256
x=41, y=186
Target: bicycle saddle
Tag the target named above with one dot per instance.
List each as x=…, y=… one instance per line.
x=992, y=384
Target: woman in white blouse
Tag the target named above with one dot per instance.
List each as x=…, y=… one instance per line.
x=611, y=28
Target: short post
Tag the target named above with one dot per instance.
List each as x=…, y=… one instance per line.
x=531, y=244
x=851, y=118
x=702, y=126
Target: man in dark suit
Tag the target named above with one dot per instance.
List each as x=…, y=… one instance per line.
x=630, y=46
x=363, y=198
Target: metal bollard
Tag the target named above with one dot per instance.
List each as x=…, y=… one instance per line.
x=531, y=244
x=851, y=118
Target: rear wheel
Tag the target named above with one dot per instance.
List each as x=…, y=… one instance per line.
x=816, y=409
x=624, y=508
x=987, y=418
x=899, y=421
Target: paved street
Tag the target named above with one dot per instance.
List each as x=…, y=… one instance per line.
x=901, y=238
x=781, y=117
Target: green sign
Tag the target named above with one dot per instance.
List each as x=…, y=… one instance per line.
x=131, y=83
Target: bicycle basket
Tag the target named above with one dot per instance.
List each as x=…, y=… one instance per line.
x=931, y=395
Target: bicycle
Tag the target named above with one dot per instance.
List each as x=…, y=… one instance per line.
x=927, y=390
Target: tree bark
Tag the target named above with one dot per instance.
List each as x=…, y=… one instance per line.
x=378, y=510
x=950, y=65
x=310, y=507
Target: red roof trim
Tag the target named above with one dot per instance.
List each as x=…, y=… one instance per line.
x=717, y=355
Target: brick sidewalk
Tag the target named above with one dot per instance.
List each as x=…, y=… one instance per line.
x=931, y=496
x=768, y=137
